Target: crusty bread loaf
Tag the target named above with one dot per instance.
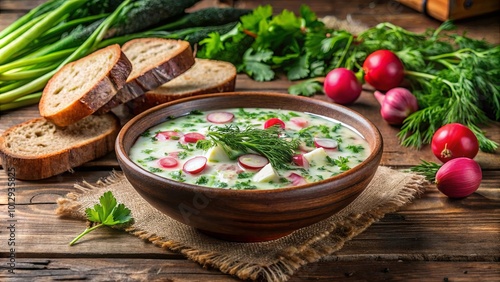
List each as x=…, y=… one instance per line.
x=81, y=87
x=206, y=76
x=155, y=61
x=38, y=149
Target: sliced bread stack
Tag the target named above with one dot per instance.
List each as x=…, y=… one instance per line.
x=39, y=149
x=68, y=134
x=81, y=87
x=206, y=76
x=155, y=61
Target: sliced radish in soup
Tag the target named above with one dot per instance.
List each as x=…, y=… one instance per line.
x=168, y=162
x=296, y=179
x=195, y=165
x=193, y=137
x=300, y=160
x=325, y=143
x=299, y=121
x=220, y=117
x=274, y=121
x=168, y=135
x=253, y=161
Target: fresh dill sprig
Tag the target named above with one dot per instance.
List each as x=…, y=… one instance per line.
x=455, y=79
x=427, y=169
x=236, y=141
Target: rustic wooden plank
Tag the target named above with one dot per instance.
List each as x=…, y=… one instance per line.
x=183, y=270
x=431, y=228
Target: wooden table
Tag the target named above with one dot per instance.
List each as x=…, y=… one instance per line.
x=432, y=239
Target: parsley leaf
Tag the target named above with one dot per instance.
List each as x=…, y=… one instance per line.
x=254, y=64
x=107, y=213
x=306, y=88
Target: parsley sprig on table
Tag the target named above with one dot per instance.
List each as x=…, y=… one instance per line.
x=107, y=213
x=236, y=141
x=455, y=78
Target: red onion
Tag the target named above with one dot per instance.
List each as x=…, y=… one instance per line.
x=458, y=178
x=397, y=104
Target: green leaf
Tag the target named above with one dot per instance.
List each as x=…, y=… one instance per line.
x=212, y=44
x=252, y=21
x=259, y=71
x=255, y=66
x=306, y=88
x=121, y=214
x=299, y=70
x=107, y=213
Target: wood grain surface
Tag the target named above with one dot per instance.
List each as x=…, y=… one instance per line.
x=432, y=239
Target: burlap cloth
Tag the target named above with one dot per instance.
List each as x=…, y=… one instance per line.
x=268, y=261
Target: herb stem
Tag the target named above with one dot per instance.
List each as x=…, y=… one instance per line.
x=85, y=232
x=21, y=102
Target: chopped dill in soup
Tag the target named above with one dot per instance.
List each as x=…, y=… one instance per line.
x=249, y=148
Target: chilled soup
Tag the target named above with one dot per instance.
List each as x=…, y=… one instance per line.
x=249, y=148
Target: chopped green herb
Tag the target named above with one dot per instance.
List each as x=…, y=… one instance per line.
x=341, y=162
x=354, y=148
x=246, y=185
x=155, y=169
x=146, y=133
x=177, y=175
x=202, y=180
x=150, y=158
x=244, y=175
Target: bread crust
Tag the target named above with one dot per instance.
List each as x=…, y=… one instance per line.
x=156, y=96
x=157, y=75
x=35, y=167
x=88, y=103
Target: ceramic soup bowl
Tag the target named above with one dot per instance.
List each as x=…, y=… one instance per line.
x=249, y=215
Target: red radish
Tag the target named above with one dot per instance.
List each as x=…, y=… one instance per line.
x=193, y=137
x=174, y=154
x=342, y=86
x=220, y=117
x=396, y=105
x=454, y=140
x=274, y=121
x=300, y=160
x=383, y=70
x=458, y=178
x=296, y=179
x=253, y=161
x=325, y=143
x=299, y=121
x=168, y=162
x=168, y=135
x=195, y=165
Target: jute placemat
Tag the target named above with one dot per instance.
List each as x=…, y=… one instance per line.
x=275, y=260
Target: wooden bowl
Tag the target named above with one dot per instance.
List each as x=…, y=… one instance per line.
x=248, y=215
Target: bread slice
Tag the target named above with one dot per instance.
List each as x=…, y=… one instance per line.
x=206, y=76
x=38, y=149
x=81, y=87
x=155, y=61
